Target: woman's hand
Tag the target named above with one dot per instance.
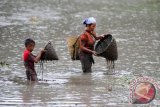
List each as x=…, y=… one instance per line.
x=101, y=36
x=94, y=53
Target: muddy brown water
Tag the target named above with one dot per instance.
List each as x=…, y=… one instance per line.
x=134, y=24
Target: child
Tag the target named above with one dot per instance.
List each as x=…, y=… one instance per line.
x=29, y=59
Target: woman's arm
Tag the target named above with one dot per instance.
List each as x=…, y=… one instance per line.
x=82, y=43
x=97, y=38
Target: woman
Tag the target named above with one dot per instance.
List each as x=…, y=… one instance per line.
x=87, y=40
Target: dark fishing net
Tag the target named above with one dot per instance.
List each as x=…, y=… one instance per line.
x=50, y=53
x=41, y=68
x=107, y=48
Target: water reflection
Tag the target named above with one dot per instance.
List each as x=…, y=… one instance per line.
x=82, y=86
x=36, y=92
x=28, y=92
x=91, y=92
x=110, y=82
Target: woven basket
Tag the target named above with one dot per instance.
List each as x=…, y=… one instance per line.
x=50, y=53
x=73, y=47
x=107, y=48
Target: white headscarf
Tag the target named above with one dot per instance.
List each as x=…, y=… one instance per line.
x=89, y=20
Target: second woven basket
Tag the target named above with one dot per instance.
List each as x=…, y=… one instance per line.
x=50, y=53
x=107, y=48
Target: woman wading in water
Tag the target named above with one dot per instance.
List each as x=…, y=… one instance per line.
x=87, y=40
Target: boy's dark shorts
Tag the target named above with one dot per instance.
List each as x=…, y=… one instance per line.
x=31, y=75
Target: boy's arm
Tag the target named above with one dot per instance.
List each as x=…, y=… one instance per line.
x=37, y=58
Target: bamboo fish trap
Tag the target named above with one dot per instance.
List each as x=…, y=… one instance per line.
x=107, y=48
x=50, y=53
x=73, y=47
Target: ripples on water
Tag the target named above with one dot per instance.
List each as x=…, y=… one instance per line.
x=134, y=24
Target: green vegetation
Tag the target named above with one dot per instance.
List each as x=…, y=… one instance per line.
x=3, y=63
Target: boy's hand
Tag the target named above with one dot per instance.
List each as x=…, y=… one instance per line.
x=43, y=50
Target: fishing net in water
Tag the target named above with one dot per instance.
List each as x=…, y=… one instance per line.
x=107, y=48
x=48, y=55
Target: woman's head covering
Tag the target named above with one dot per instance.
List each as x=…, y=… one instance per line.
x=89, y=20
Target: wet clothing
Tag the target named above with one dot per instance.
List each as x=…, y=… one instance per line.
x=28, y=59
x=86, y=57
x=86, y=61
x=88, y=40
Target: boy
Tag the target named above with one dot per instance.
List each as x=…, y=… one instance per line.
x=29, y=59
